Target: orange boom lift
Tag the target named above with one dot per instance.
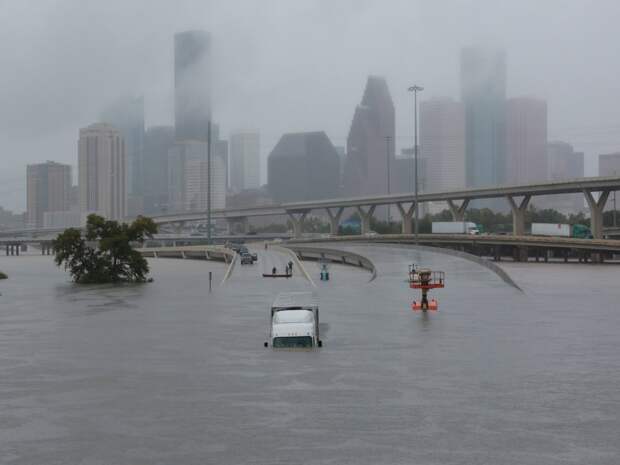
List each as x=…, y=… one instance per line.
x=425, y=279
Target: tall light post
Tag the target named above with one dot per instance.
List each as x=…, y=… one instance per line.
x=415, y=89
x=209, y=182
x=387, y=160
x=615, y=223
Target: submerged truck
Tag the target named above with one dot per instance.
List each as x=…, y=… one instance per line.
x=294, y=321
x=562, y=230
x=454, y=227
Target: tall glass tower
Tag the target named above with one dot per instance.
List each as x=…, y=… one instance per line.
x=483, y=93
x=192, y=85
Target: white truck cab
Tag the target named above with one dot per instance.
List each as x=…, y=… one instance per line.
x=294, y=321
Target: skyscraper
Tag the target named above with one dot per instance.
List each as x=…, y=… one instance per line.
x=192, y=85
x=442, y=143
x=157, y=143
x=526, y=140
x=244, y=161
x=483, y=92
x=48, y=187
x=609, y=165
x=303, y=166
x=188, y=176
x=370, y=144
x=127, y=115
x=221, y=150
x=102, y=175
x=563, y=163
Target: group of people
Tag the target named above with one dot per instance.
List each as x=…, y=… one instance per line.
x=289, y=269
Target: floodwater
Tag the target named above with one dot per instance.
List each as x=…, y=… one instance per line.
x=168, y=373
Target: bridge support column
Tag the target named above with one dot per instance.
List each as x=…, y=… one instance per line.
x=238, y=224
x=596, y=212
x=518, y=213
x=365, y=217
x=334, y=220
x=521, y=254
x=458, y=211
x=297, y=218
x=407, y=215
x=7, y=250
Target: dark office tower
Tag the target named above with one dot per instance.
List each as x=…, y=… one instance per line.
x=370, y=145
x=303, y=166
x=192, y=85
x=158, y=140
x=483, y=92
x=127, y=115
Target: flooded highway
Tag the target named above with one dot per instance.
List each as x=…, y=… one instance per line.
x=168, y=373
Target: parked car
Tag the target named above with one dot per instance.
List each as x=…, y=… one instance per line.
x=246, y=259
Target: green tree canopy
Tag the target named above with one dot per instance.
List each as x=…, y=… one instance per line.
x=103, y=254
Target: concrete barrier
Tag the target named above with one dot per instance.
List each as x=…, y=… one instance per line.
x=195, y=252
x=345, y=257
x=467, y=256
x=230, y=269
x=299, y=265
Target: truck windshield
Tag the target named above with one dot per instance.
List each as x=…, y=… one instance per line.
x=292, y=341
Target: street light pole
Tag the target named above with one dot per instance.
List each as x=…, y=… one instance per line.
x=415, y=89
x=209, y=182
x=615, y=224
x=387, y=160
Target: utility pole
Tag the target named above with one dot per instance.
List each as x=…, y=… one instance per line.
x=615, y=223
x=387, y=159
x=209, y=182
x=415, y=89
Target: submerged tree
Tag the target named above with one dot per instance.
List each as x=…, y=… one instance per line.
x=103, y=254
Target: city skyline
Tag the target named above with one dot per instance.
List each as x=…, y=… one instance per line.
x=256, y=67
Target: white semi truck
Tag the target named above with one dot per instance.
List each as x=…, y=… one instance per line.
x=454, y=227
x=562, y=230
x=294, y=321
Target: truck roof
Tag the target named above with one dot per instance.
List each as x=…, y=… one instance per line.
x=293, y=316
x=295, y=299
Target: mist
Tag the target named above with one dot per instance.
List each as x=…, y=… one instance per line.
x=282, y=66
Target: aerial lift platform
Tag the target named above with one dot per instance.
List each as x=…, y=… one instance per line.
x=425, y=279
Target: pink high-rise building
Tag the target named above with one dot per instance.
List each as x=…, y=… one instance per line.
x=526, y=140
x=442, y=143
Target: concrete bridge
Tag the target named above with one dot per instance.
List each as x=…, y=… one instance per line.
x=596, y=191
x=13, y=246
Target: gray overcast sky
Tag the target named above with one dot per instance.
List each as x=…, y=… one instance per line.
x=284, y=65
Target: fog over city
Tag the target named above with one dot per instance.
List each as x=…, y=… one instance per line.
x=288, y=66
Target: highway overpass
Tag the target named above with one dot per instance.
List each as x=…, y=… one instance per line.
x=596, y=190
x=495, y=245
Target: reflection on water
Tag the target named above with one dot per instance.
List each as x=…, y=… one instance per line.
x=170, y=373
